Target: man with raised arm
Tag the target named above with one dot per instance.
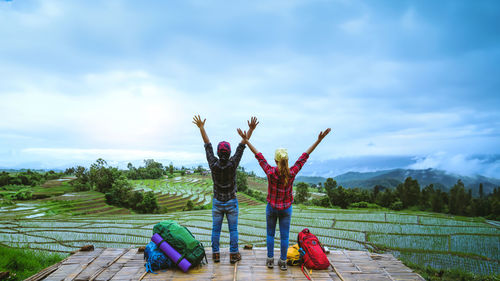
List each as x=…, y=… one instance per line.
x=224, y=202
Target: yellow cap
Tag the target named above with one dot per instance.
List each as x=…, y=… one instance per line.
x=281, y=154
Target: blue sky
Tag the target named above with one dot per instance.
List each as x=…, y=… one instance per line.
x=401, y=83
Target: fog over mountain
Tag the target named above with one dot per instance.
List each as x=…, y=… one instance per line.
x=391, y=178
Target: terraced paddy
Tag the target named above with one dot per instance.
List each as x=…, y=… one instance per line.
x=174, y=193
x=66, y=222
x=73, y=204
x=421, y=238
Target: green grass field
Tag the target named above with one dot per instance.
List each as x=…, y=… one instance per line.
x=65, y=223
x=25, y=263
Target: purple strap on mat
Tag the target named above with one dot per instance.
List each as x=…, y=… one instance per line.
x=184, y=264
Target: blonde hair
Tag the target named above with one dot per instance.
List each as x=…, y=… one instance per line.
x=281, y=157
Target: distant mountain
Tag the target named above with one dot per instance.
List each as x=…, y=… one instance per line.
x=310, y=180
x=391, y=178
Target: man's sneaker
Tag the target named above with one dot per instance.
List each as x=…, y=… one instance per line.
x=233, y=258
x=216, y=257
x=282, y=264
x=270, y=262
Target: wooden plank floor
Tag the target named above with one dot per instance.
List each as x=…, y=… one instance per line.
x=128, y=264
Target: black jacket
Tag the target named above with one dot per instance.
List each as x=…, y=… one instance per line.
x=224, y=172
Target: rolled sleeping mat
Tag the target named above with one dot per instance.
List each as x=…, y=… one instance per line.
x=184, y=264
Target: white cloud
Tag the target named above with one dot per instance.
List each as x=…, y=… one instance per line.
x=104, y=109
x=460, y=164
x=72, y=154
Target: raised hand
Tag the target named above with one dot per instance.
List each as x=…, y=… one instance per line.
x=251, y=126
x=320, y=138
x=243, y=135
x=244, y=139
x=323, y=134
x=201, y=124
x=197, y=121
x=252, y=123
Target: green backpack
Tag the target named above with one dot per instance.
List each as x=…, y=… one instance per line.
x=181, y=239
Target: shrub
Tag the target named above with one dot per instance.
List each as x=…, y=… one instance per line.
x=6, y=202
x=322, y=202
x=258, y=195
x=102, y=177
x=51, y=175
x=149, y=205
x=119, y=193
x=23, y=194
x=302, y=193
x=135, y=199
x=81, y=186
x=122, y=195
x=241, y=180
x=364, y=204
x=189, y=205
x=397, y=206
x=203, y=207
x=361, y=204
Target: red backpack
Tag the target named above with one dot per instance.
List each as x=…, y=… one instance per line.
x=315, y=257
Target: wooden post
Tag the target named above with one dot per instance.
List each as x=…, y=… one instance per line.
x=142, y=276
x=235, y=273
x=336, y=272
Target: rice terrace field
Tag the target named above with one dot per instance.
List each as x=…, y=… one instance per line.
x=66, y=222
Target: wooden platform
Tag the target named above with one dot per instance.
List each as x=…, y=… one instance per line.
x=128, y=264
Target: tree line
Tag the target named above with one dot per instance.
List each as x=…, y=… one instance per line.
x=22, y=182
x=115, y=185
x=407, y=195
x=28, y=177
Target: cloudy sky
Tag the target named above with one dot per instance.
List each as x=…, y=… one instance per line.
x=401, y=83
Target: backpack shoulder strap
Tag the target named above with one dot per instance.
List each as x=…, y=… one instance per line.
x=321, y=246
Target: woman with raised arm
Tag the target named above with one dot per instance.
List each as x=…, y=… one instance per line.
x=279, y=194
x=224, y=177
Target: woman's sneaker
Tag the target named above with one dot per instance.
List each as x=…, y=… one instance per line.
x=270, y=262
x=282, y=264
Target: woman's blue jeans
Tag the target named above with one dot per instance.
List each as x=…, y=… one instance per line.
x=284, y=217
x=230, y=209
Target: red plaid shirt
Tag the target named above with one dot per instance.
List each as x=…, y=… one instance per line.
x=279, y=196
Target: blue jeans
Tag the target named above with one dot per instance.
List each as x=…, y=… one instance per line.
x=285, y=217
x=230, y=208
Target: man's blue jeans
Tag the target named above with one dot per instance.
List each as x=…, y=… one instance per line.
x=284, y=217
x=230, y=209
